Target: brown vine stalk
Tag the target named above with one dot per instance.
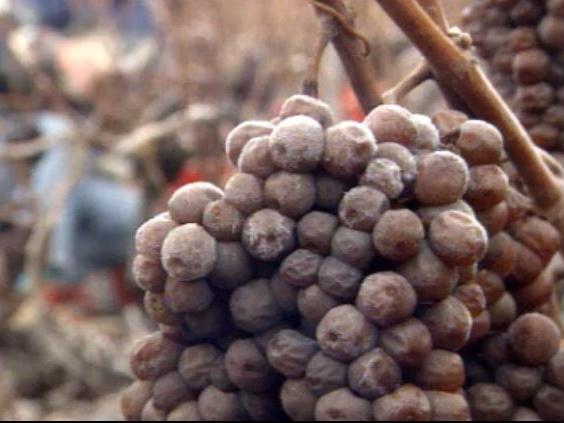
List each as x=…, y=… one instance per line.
x=352, y=54
x=459, y=72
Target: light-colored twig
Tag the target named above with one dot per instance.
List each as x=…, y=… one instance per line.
x=419, y=75
x=25, y=149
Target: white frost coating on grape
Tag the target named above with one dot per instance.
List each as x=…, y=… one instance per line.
x=427, y=134
x=362, y=207
x=401, y=156
x=245, y=192
x=348, y=149
x=384, y=175
x=267, y=235
x=150, y=236
x=242, y=134
x=296, y=144
x=256, y=158
x=187, y=204
x=392, y=123
x=312, y=107
x=189, y=252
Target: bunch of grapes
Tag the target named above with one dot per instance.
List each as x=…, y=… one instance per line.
x=349, y=271
x=521, y=42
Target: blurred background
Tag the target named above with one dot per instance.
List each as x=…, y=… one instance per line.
x=107, y=106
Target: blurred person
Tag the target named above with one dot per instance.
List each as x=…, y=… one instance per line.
x=96, y=227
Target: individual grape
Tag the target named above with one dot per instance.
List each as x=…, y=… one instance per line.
x=408, y=343
x=447, y=406
x=179, y=334
x=314, y=303
x=385, y=176
x=523, y=38
x=448, y=122
x=324, y=374
x=554, y=115
x=345, y=334
x=441, y=371
x=297, y=400
x=491, y=284
x=339, y=279
x=503, y=312
x=530, y=331
x=353, y=247
x=386, y=298
x=150, y=236
x=289, y=352
x=210, y=323
x=362, y=207
x=523, y=414
x=495, y=219
x=242, y=134
x=398, y=235
x=185, y=412
x=488, y=186
x=152, y=413
x=348, y=149
x=196, y=363
x=256, y=158
x=392, y=123
x=134, y=399
x=518, y=204
x=154, y=356
x=330, y=192
x=260, y=407
x=551, y=31
x=262, y=339
x=233, y=266
x=490, y=402
x=521, y=382
x=407, y=403
x=534, y=97
x=442, y=178
x=300, y=104
x=342, y=405
x=315, y=232
x=296, y=144
x=245, y=192
x=531, y=66
x=501, y=255
x=148, y=273
x=455, y=334
x=374, y=374
x=429, y=213
x=539, y=235
x=458, y=239
x=292, y=194
x=169, y=391
x=254, y=307
x=248, y=368
x=534, y=294
x=430, y=277
x=158, y=310
x=480, y=143
x=219, y=377
x=545, y=135
x=188, y=297
x=267, y=235
x=473, y=298
x=217, y=405
x=528, y=266
x=526, y=12
x=187, y=204
x=401, y=156
x=554, y=373
x=300, y=268
x=285, y=295
x=428, y=138
x=189, y=252
x=549, y=403
x=223, y=221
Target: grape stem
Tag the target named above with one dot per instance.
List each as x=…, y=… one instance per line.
x=457, y=70
x=352, y=53
x=419, y=75
x=326, y=33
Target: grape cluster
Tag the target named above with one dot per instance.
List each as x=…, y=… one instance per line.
x=349, y=271
x=521, y=42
